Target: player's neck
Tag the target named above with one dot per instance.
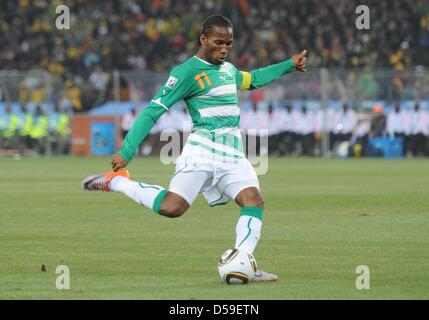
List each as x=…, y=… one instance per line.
x=200, y=55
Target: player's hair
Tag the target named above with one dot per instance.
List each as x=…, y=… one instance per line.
x=215, y=20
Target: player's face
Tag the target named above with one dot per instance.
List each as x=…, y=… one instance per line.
x=217, y=45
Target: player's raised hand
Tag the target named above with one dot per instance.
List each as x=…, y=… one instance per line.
x=118, y=162
x=300, y=60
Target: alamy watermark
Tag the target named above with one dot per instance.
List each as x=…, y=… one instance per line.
x=63, y=279
x=230, y=146
x=362, y=281
x=363, y=20
x=63, y=20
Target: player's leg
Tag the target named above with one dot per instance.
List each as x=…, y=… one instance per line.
x=240, y=182
x=249, y=225
x=167, y=203
x=173, y=205
x=150, y=196
x=248, y=228
x=184, y=186
x=242, y=185
x=183, y=190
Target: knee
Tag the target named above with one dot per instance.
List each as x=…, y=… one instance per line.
x=172, y=211
x=251, y=197
x=260, y=202
x=173, y=206
x=255, y=199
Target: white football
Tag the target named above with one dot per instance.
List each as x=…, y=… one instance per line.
x=236, y=266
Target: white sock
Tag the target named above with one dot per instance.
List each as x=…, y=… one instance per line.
x=144, y=194
x=248, y=228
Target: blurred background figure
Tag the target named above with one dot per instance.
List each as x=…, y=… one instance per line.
x=345, y=122
x=395, y=122
x=253, y=121
x=289, y=131
x=25, y=128
x=378, y=122
x=275, y=123
x=398, y=126
x=127, y=121
x=419, y=132
x=9, y=124
x=359, y=139
x=59, y=132
x=98, y=81
x=39, y=132
x=377, y=130
x=306, y=131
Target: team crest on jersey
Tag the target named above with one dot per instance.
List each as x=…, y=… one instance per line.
x=171, y=82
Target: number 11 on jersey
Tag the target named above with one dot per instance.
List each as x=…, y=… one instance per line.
x=200, y=77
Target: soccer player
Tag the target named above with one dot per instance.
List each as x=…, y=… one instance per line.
x=212, y=161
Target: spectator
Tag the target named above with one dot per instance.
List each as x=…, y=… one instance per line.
x=419, y=131
x=367, y=85
x=343, y=124
x=135, y=34
x=306, y=131
x=359, y=139
x=25, y=126
x=254, y=122
x=395, y=122
x=289, y=134
x=398, y=126
x=59, y=131
x=39, y=131
x=275, y=122
x=378, y=122
x=8, y=128
x=98, y=79
x=127, y=121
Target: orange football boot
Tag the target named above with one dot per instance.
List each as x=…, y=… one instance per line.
x=102, y=181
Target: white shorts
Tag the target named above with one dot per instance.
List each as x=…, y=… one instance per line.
x=219, y=182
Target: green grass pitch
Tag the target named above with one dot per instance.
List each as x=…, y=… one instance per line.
x=323, y=218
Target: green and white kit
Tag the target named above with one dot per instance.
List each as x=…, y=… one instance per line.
x=215, y=146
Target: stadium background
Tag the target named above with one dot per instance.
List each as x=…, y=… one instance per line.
x=324, y=217
x=117, y=54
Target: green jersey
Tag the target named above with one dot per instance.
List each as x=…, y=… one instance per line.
x=210, y=93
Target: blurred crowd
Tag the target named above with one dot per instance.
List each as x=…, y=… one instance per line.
x=37, y=132
x=76, y=68
x=298, y=131
x=158, y=34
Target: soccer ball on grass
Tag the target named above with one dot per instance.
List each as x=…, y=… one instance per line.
x=236, y=266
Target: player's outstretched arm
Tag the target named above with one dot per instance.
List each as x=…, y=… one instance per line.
x=140, y=129
x=178, y=86
x=300, y=60
x=261, y=77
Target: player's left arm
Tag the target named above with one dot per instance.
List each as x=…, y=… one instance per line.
x=261, y=77
x=177, y=87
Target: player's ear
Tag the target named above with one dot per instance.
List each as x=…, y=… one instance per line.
x=203, y=39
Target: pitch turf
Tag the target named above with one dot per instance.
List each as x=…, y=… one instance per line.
x=323, y=218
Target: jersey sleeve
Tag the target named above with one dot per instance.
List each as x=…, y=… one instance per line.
x=261, y=77
x=177, y=87
x=242, y=79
